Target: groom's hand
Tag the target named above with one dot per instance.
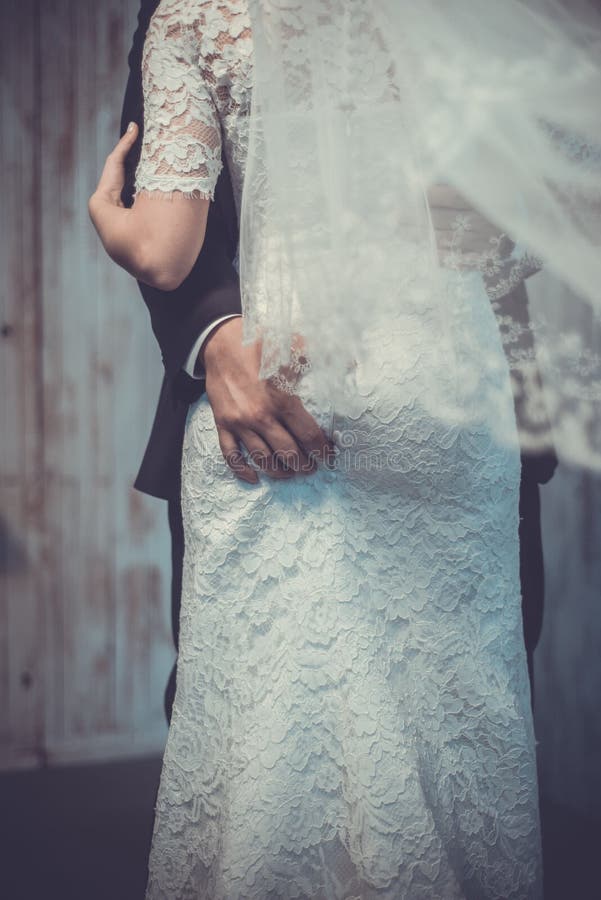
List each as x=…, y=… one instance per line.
x=281, y=437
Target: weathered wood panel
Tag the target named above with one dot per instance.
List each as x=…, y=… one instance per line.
x=21, y=398
x=86, y=559
x=95, y=367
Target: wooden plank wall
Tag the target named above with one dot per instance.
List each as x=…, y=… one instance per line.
x=85, y=644
x=21, y=410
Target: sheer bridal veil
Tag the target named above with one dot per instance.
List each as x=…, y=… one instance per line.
x=392, y=143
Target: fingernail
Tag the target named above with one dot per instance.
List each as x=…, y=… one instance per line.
x=131, y=126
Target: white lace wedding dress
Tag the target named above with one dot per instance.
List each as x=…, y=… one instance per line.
x=352, y=717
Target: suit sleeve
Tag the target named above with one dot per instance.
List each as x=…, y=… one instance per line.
x=212, y=289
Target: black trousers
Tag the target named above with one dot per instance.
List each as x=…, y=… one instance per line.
x=532, y=571
x=531, y=576
x=176, y=527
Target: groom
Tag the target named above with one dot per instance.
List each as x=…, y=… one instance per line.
x=198, y=329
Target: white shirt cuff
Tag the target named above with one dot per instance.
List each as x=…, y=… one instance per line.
x=190, y=365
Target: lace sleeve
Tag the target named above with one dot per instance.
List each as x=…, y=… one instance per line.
x=181, y=148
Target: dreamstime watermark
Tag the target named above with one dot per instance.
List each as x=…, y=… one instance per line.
x=349, y=455
x=345, y=455
x=357, y=451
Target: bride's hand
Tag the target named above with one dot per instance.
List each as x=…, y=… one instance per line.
x=448, y=207
x=112, y=179
x=277, y=431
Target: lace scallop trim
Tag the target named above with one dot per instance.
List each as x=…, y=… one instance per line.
x=166, y=191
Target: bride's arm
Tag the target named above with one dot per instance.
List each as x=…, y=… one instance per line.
x=159, y=238
x=468, y=240
x=156, y=240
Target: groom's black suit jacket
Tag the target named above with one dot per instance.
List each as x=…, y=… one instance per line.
x=211, y=290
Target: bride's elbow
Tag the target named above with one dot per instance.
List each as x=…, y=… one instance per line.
x=162, y=280
x=163, y=275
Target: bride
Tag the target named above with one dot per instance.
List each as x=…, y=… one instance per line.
x=352, y=717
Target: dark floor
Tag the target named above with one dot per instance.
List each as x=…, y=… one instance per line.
x=83, y=833
x=77, y=833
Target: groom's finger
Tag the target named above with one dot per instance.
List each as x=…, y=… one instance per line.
x=262, y=455
x=234, y=456
x=307, y=432
x=286, y=449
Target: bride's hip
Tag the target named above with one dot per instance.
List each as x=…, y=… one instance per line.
x=396, y=448
x=430, y=401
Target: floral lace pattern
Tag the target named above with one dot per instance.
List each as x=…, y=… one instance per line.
x=196, y=78
x=352, y=718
